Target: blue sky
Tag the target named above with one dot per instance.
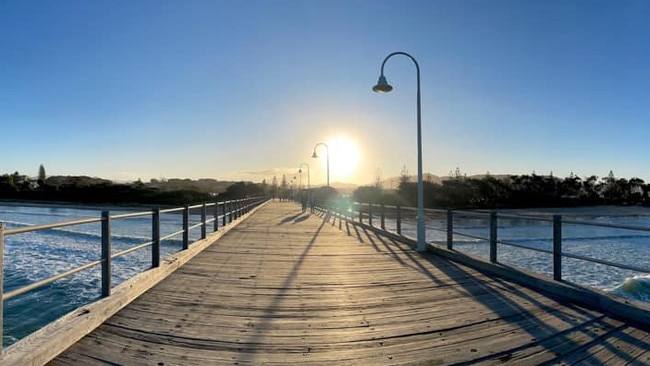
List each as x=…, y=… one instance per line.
x=244, y=89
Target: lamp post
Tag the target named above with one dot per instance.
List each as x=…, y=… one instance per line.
x=308, y=179
x=327, y=149
x=308, y=198
x=383, y=87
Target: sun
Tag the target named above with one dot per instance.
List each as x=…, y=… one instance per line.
x=344, y=157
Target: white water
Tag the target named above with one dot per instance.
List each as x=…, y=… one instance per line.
x=622, y=246
x=35, y=256
x=31, y=257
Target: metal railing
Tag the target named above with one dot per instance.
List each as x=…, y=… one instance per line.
x=224, y=211
x=369, y=214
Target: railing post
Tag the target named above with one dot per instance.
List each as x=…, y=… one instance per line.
x=106, y=253
x=204, y=217
x=186, y=227
x=2, y=249
x=493, y=237
x=155, y=238
x=557, y=247
x=383, y=217
x=340, y=214
x=361, y=213
x=399, y=220
x=224, y=218
x=450, y=229
x=215, y=213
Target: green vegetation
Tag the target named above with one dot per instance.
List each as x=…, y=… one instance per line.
x=513, y=191
x=457, y=191
x=87, y=190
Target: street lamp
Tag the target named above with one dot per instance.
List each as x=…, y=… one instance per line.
x=327, y=149
x=308, y=179
x=309, y=200
x=383, y=87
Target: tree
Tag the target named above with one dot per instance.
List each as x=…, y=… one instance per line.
x=41, y=175
x=404, y=177
x=274, y=187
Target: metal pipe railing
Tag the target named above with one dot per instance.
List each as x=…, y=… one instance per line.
x=237, y=209
x=359, y=211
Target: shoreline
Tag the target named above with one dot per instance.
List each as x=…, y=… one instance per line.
x=77, y=205
x=580, y=211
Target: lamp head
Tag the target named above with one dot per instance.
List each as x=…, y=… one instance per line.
x=382, y=86
x=314, y=155
x=300, y=171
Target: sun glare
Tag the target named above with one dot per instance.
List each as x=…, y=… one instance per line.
x=344, y=157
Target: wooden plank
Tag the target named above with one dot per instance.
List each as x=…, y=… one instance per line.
x=49, y=341
x=278, y=290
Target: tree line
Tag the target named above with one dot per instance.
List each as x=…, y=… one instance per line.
x=458, y=191
x=513, y=191
x=88, y=190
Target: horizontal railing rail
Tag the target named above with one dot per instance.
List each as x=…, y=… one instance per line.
x=368, y=214
x=223, y=212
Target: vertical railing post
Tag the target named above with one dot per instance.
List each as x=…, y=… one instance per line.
x=225, y=217
x=215, y=213
x=557, y=247
x=450, y=229
x=493, y=237
x=340, y=216
x=106, y=253
x=361, y=213
x=204, y=218
x=399, y=220
x=186, y=227
x=155, y=238
x=370, y=214
x=2, y=249
x=383, y=217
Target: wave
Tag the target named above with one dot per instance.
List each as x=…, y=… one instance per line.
x=46, y=214
x=77, y=233
x=636, y=287
x=564, y=239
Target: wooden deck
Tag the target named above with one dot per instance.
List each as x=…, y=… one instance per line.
x=291, y=288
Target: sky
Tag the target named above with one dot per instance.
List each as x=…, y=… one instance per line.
x=244, y=90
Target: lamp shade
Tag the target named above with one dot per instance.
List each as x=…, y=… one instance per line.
x=382, y=85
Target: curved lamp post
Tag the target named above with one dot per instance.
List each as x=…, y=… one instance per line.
x=308, y=179
x=309, y=199
x=327, y=149
x=383, y=87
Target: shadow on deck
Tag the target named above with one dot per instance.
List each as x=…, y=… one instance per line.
x=287, y=287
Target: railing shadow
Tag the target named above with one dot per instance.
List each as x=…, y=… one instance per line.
x=507, y=301
x=256, y=339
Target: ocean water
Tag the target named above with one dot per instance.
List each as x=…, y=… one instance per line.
x=622, y=246
x=35, y=256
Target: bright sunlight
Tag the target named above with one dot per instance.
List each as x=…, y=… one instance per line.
x=344, y=157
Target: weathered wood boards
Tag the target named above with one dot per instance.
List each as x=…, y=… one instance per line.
x=287, y=288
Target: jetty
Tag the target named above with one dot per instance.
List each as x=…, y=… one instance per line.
x=287, y=286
